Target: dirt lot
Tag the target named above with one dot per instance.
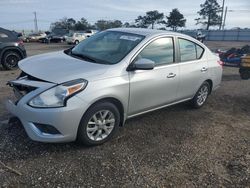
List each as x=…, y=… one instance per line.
x=173, y=147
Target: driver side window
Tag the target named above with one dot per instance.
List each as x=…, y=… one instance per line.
x=161, y=51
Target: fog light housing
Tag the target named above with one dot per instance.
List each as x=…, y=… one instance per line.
x=47, y=129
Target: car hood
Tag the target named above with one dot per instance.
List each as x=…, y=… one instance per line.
x=58, y=67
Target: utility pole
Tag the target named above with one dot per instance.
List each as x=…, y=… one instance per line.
x=224, y=20
x=35, y=22
x=222, y=12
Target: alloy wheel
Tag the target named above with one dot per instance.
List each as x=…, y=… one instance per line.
x=11, y=60
x=202, y=95
x=100, y=125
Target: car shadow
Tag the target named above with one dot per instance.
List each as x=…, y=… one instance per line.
x=161, y=124
x=231, y=77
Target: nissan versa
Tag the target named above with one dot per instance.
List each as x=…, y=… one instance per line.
x=85, y=93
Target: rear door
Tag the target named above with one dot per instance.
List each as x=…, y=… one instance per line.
x=154, y=88
x=6, y=38
x=193, y=68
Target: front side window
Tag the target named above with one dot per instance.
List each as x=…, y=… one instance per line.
x=108, y=47
x=161, y=51
x=189, y=50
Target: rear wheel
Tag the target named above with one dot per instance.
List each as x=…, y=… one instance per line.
x=10, y=60
x=76, y=42
x=98, y=124
x=201, y=95
x=245, y=75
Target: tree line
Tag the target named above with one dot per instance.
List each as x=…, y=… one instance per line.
x=209, y=15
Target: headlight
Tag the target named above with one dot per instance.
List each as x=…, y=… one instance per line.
x=58, y=95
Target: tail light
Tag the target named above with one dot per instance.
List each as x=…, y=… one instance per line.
x=220, y=62
x=20, y=43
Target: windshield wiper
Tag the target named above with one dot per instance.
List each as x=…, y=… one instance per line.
x=83, y=56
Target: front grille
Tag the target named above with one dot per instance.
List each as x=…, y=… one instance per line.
x=20, y=90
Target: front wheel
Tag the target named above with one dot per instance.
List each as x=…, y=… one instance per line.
x=98, y=124
x=201, y=95
x=10, y=60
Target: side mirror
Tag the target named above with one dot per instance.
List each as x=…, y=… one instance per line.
x=142, y=64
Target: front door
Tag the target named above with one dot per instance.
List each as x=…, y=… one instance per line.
x=154, y=88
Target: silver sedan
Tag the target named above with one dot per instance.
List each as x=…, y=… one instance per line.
x=85, y=93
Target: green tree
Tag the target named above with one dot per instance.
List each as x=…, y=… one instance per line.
x=107, y=24
x=150, y=19
x=209, y=14
x=175, y=20
x=70, y=23
x=82, y=25
x=126, y=24
x=64, y=23
x=115, y=24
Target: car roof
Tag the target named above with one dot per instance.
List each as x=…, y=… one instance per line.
x=144, y=32
x=9, y=33
x=155, y=32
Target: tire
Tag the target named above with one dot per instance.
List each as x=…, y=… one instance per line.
x=10, y=60
x=76, y=42
x=201, y=95
x=245, y=75
x=92, y=131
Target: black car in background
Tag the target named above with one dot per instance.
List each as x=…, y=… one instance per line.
x=52, y=37
x=11, y=49
x=57, y=35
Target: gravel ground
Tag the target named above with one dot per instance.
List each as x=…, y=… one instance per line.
x=172, y=147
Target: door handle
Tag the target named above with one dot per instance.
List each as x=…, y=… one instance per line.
x=204, y=69
x=171, y=75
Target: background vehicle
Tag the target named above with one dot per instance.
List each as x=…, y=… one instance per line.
x=34, y=37
x=88, y=91
x=233, y=56
x=200, y=36
x=245, y=67
x=75, y=38
x=53, y=37
x=89, y=33
x=11, y=49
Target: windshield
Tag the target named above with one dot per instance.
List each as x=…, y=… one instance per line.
x=108, y=47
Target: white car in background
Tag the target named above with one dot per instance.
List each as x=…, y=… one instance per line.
x=89, y=33
x=75, y=38
x=34, y=37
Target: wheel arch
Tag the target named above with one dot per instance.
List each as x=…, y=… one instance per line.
x=210, y=82
x=114, y=101
x=11, y=49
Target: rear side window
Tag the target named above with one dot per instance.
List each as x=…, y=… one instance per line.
x=161, y=51
x=189, y=50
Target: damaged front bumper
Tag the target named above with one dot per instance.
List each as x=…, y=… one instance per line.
x=44, y=124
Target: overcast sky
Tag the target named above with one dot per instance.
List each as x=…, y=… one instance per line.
x=18, y=14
